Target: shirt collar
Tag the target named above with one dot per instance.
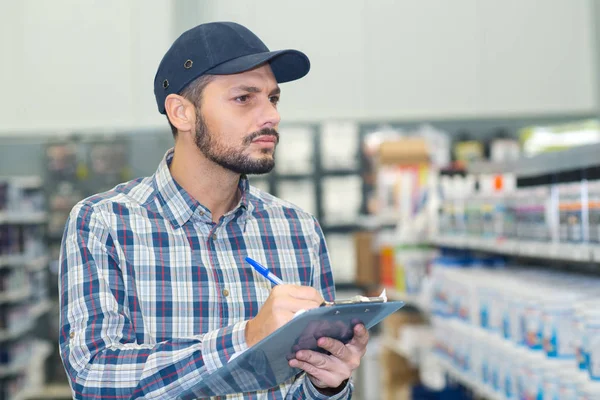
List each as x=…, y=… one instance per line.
x=177, y=204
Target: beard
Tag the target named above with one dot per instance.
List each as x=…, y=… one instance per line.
x=232, y=158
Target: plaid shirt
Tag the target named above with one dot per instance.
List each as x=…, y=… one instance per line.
x=154, y=296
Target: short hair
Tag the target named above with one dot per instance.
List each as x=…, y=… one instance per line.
x=193, y=93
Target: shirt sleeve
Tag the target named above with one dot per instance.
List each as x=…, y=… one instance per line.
x=322, y=281
x=103, y=354
x=304, y=389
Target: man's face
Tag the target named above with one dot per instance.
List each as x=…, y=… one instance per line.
x=236, y=125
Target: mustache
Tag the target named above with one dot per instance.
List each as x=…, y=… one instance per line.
x=262, y=132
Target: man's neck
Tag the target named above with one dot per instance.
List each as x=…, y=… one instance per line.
x=210, y=184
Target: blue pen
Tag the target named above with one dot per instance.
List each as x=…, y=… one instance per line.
x=264, y=271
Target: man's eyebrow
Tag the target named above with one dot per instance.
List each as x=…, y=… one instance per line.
x=254, y=89
x=249, y=89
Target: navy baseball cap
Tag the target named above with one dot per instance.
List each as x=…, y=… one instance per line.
x=221, y=48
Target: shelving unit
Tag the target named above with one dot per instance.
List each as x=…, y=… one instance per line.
x=51, y=392
x=22, y=218
x=41, y=351
x=316, y=178
x=550, y=169
x=529, y=249
x=24, y=298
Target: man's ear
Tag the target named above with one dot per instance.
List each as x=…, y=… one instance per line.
x=181, y=112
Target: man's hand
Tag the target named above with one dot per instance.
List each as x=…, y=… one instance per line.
x=283, y=302
x=329, y=371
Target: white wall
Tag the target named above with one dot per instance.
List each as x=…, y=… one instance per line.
x=415, y=59
x=74, y=64
x=71, y=64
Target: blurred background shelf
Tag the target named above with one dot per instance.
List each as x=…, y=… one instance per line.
x=464, y=379
x=524, y=248
x=9, y=217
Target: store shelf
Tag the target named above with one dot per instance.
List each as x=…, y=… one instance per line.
x=9, y=335
x=14, y=296
x=39, y=352
x=339, y=227
x=555, y=251
x=37, y=264
x=36, y=311
x=6, y=261
x=465, y=380
x=49, y=392
x=40, y=309
x=341, y=172
x=374, y=222
x=575, y=158
x=19, y=260
x=410, y=299
x=24, y=182
x=294, y=176
x=29, y=218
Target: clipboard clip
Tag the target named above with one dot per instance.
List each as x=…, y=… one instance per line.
x=382, y=298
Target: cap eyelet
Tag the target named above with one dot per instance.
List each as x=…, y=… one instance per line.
x=165, y=84
x=188, y=64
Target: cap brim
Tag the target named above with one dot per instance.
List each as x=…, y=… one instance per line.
x=287, y=65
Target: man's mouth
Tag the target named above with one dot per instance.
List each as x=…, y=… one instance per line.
x=265, y=139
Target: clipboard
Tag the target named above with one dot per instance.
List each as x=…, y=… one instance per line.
x=265, y=364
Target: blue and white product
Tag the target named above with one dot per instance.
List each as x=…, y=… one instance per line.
x=584, y=310
x=568, y=381
x=592, y=344
x=558, y=329
x=534, y=376
x=594, y=212
x=571, y=216
x=532, y=323
x=553, y=376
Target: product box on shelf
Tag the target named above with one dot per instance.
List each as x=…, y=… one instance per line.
x=367, y=268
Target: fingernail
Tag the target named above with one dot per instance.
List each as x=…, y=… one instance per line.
x=293, y=363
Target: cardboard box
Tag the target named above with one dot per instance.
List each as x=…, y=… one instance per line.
x=367, y=266
x=393, y=323
x=406, y=151
x=398, y=376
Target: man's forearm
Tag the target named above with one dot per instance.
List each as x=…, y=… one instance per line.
x=169, y=367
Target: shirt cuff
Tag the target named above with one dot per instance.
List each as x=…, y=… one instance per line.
x=220, y=345
x=311, y=391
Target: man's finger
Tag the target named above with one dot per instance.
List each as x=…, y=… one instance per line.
x=305, y=293
x=294, y=305
x=361, y=336
x=328, y=378
x=335, y=347
x=319, y=360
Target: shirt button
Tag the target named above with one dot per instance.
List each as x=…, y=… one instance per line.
x=72, y=335
x=214, y=236
x=202, y=213
x=225, y=292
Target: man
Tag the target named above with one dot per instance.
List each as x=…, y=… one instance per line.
x=155, y=293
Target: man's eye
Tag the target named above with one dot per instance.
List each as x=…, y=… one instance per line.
x=242, y=99
x=274, y=99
